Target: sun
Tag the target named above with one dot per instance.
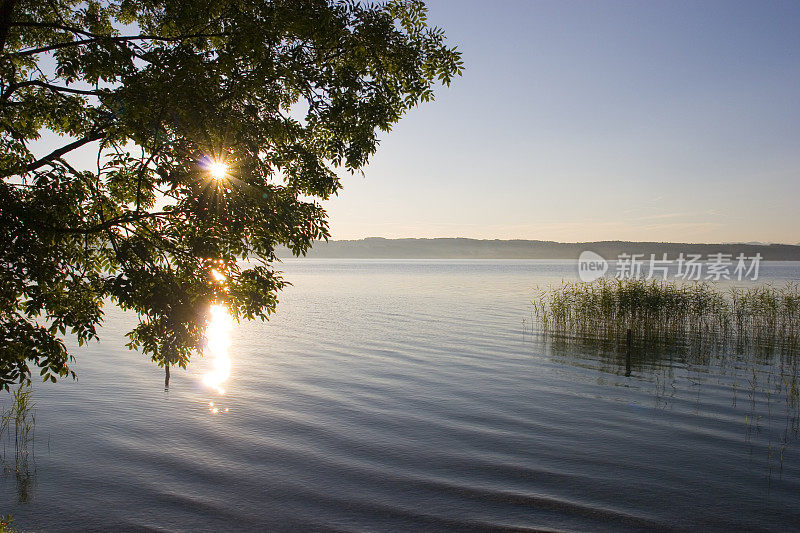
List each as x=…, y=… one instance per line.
x=218, y=169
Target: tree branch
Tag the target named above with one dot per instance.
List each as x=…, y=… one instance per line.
x=116, y=40
x=33, y=51
x=55, y=154
x=38, y=83
x=108, y=224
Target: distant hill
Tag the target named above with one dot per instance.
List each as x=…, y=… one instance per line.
x=458, y=248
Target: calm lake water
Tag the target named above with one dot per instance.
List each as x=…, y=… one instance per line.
x=407, y=395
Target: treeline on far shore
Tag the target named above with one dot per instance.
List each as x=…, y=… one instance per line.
x=462, y=248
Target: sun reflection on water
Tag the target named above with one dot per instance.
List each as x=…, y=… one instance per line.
x=213, y=409
x=217, y=336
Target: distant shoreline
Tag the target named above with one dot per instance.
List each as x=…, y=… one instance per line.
x=462, y=248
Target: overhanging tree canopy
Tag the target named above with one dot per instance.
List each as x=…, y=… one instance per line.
x=161, y=90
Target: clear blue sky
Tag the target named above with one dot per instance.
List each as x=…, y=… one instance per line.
x=590, y=120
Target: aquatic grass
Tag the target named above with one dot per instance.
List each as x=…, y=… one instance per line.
x=695, y=322
x=767, y=312
x=661, y=310
x=21, y=416
x=22, y=413
x=667, y=333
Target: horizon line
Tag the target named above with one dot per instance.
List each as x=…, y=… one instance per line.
x=748, y=243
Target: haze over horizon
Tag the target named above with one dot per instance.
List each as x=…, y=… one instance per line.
x=575, y=122
x=406, y=237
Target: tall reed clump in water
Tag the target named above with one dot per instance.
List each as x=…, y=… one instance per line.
x=20, y=420
x=22, y=416
x=766, y=313
x=661, y=310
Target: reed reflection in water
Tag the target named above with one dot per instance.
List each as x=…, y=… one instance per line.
x=682, y=340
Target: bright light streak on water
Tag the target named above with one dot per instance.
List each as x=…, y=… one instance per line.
x=217, y=343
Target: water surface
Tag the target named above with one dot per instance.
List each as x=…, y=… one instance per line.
x=397, y=395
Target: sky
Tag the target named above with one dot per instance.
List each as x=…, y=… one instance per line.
x=582, y=121
x=656, y=120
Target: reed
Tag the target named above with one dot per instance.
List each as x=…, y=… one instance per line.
x=669, y=311
x=20, y=420
x=22, y=416
x=664, y=332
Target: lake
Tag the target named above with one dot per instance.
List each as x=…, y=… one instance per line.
x=414, y=395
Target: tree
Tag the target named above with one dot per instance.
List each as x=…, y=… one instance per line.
x=202, y=165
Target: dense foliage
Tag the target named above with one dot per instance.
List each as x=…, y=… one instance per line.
x=283, y=91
